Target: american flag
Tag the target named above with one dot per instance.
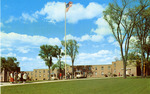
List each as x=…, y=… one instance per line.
x=68, y=6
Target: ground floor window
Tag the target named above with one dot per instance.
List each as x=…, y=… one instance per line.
x=96, y=73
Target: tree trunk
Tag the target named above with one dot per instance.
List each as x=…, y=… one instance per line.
x=142, y=58
x=124, y=63
x=60, y=66
x=49, y=74
x=72, y=69
x=147, y=63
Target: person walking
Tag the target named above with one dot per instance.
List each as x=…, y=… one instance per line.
x=19, y=77
x=12, y=77
x=60, y=76
x=15, y=77
x=24, y=77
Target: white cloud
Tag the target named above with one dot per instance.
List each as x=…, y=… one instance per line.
x=95, y=38
x=28, y=64
x=116, y=44
x=102, y=27
x=11, y=19
x=10, y=54
x=25, y=59
x=78, y=12
x=27, y=17
x=55, y=12
x=100, y=57
x=23, y=49
x=111, y=39
x=6, y=49
x=9, y=39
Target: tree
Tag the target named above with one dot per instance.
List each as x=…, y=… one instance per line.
x=135, y=50
x=59, y=65
x=72, y=51
x=46, y=53
x=143, y=28
x=9, y=64
x=59, y=54
x=122, y=19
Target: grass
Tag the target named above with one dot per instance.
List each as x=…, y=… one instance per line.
x=97, y=86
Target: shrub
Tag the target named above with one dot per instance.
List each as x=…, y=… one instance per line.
x=114, y=75
x=105, y=75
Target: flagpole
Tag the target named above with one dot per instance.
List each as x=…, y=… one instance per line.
x=65, y=40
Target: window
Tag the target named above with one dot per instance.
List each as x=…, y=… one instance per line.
x=35, y=75
x=89, y=68
x=43, y=71
x=102, y=68
x=67, y=68
x=31, y=73
x=35, y=71
x=108, y=67
x=44, y=75
x=83, y=73
x=40, y=75
x=95, y=68
x=102, y=73
x=96, y=73
x=114, y=70
x=39, y=71
x=114, y=64
x=84, y=68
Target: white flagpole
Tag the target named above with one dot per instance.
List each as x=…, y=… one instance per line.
x=65, y=40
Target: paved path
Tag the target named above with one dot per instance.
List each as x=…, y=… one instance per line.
x=8, y=84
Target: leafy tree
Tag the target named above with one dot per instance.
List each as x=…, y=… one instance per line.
x=72, y=51
x=58, y=66
x=9, y=64
x=147, y=48
x=122, y=20
x=59, y=54
x=143, y=28
x=46, y=53
x=135, y=50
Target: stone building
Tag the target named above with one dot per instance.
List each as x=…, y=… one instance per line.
x=116, y=68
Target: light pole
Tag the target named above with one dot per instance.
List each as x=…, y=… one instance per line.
x=66, y=10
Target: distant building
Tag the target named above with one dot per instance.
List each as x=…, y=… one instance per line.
x=116, y=68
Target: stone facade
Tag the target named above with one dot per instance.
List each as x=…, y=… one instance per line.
x=116, y=68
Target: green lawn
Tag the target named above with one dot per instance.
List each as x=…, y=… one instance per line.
x=99, y=86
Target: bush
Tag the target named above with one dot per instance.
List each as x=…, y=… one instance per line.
x=132, y=75
x=114, y=75
x=105, y=75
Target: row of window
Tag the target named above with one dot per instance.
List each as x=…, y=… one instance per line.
x=43, y=75
x=102, y=73
x=102, y=68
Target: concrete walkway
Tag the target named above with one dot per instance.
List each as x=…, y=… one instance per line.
x=9, y=84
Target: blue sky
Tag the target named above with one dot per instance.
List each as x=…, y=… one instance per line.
x=28, y=24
